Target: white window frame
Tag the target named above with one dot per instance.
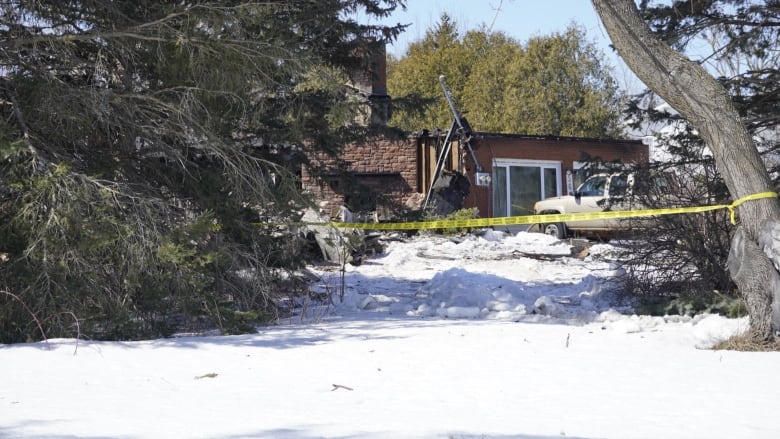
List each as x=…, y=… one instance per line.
x=544, y=164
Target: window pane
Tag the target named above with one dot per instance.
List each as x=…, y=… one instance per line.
x=525, y=188
x=594, y=187
x=618, y=185
x=499, y=191
x=550, y=182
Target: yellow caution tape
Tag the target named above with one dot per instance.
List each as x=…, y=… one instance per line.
x=541, y=219
x=733, y=206
x=551, y=218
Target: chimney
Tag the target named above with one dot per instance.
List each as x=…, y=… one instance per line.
x=379, y=71
x=379, y=101
x=372, y=86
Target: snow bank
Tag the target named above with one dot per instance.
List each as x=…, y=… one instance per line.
x=494, y=276
x=710, y=330
x=416, y=341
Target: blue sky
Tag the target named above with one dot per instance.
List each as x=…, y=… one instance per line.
x=520, y=19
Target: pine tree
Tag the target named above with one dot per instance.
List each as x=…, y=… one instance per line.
x=149, y=151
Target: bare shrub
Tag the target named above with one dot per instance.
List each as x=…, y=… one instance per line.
x=680, y=257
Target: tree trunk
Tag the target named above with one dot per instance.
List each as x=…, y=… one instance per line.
x=706, y=104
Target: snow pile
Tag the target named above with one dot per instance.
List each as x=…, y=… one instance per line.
x=709, y=330
x=456, y=293
x=527, y=277
x=494, y=276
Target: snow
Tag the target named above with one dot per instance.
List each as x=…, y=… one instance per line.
x=499, y=336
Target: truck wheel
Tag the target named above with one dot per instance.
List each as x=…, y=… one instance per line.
x=557, y=230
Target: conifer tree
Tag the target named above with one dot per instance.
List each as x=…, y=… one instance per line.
x=556, y=84
x=149, y=151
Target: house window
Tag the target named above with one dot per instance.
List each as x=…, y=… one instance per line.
x=518, y=184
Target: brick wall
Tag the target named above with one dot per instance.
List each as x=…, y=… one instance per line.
x=379, y=166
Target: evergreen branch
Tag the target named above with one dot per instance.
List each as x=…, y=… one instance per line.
x=30, y=312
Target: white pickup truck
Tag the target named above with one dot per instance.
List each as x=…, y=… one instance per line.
x=598, y=193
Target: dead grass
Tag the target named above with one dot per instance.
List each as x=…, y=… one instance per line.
x=744, y=343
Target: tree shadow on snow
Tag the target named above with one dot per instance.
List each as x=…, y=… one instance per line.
x=300, y=434
x=17, y=430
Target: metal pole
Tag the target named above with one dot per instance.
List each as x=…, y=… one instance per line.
x=445, y=150
x=457, y=116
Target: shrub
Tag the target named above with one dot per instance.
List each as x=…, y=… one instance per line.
x=462, y=214
x=680, y=260
x=130, y=267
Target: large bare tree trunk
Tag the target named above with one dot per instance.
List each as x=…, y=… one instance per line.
x=706, y=104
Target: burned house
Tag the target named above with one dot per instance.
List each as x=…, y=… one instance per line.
x=499, y=174
x=522, y=169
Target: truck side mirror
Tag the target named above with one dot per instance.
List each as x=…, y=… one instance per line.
x=577, y=196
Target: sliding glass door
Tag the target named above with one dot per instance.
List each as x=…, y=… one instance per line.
x=518, y=184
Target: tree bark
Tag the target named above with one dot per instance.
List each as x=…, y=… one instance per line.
x=706, y=104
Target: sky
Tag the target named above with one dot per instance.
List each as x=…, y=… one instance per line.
x=520, y=19
x=497, y=336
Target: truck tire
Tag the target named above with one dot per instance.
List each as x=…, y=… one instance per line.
x=557, y=230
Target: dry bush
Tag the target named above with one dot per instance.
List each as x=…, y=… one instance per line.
x=744, y=343
x=682, y=257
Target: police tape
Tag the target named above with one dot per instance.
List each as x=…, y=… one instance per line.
x=551, y=218
x=540, y=219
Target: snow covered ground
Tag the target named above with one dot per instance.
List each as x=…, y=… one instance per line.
x=492, y=337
